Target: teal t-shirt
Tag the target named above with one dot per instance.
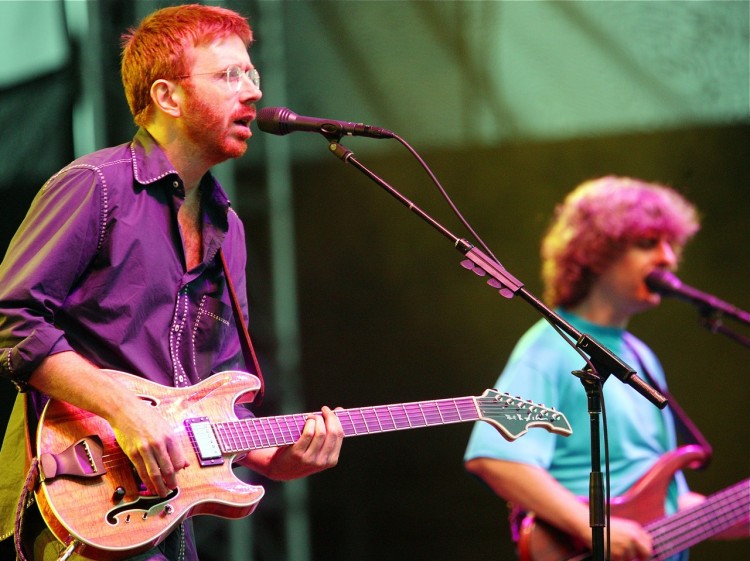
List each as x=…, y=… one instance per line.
x=539, y=369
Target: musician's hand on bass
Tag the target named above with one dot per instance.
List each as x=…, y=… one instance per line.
x=628, y=540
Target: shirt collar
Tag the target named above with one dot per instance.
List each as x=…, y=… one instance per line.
x=150, y=164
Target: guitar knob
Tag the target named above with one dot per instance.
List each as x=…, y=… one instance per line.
x=168, y=509
x=118, y=495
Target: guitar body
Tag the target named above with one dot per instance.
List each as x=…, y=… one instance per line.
x=91, y=493
x=643, y=503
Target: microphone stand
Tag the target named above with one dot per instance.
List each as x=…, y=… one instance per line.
x=603, y=361
x=711, y=319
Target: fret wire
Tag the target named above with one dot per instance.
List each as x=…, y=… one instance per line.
x=223, y=437
x=352, y=423
x=227, y=443
x=369, y=419
x=273, y=425
x=419, y=408
x=377, y=418
x=270, y=433
x=250, y=429
x=393, y=419
x=262, y=435
x=357, y=422
x=297, y=425
x=368, y=414
x=216, y=429
x=410, y=415
x=401, y=414
x=283, y=428
x=275, y=431
x=387, y=418
x=290, y=435
x=299, y=421
x=233, y=436
x=247, y=428
x=439, y=410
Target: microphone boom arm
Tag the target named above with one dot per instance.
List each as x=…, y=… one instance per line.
x=602, y=361
x=508, y=286
x=711, y=320
x=712, y=310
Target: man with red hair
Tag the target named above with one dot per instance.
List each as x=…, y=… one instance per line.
x=605, y=238
x=116, y=266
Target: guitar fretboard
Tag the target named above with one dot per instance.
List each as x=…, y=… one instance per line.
x=266, y=432
x=687, y=528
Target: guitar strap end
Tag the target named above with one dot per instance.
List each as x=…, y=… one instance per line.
x=24, y=502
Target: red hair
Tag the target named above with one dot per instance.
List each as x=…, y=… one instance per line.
x=598, y=221
x=160, y=47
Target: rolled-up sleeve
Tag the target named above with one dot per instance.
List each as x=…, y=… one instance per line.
x=58, y=238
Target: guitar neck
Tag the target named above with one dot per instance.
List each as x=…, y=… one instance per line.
x=689, y=527
x=512, y=416
x=250, y=434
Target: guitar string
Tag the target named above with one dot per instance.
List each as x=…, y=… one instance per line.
x=683, y=529
x=359, y=421
x=681, y=537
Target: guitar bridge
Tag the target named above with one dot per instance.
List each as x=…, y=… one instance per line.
x=81, y=459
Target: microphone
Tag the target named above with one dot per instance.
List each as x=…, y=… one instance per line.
x=281, y=121
x=666, y=283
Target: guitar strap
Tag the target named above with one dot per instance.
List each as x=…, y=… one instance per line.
x=248, y=351
x=23, y=407
x=686, y=427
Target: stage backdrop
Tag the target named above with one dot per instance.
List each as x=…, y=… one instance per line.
x=512, y=104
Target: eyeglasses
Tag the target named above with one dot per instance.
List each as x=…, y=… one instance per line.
x=233, y=76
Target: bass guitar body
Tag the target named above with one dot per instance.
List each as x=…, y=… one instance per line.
x=644, y=503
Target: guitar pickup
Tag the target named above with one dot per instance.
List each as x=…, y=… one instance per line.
x=204, y=441
x=81, y=459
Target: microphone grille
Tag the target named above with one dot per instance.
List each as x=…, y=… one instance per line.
x=662, y=280
x=274, y=120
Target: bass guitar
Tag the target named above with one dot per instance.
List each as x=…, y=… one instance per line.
x=644, y=503
x=92, y=500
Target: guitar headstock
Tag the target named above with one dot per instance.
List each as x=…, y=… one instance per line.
x=513, y=416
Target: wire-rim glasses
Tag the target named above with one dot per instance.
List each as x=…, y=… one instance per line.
x=233, y=76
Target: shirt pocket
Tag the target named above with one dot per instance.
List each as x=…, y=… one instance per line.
x=210, y=329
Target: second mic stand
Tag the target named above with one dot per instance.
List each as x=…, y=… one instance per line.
x=603, y=361
x=711, y=319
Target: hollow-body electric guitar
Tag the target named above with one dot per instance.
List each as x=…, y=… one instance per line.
x=92, y=500
x=644, y=503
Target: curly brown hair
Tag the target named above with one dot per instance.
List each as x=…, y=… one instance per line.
x=598, y=221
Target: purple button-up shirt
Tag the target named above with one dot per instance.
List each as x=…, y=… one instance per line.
x=98, y=267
